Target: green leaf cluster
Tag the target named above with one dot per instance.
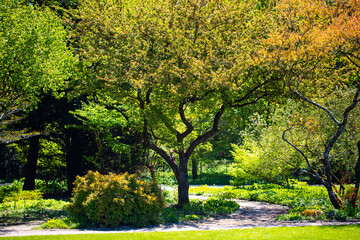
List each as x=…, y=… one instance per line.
x=34, y=57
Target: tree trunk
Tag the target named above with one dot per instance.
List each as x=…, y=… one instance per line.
x=152, y=173
x=31, y=164
x=74, y=154
x=183, y=183
x=194, y=169
x=355, y=196
x=334, y=198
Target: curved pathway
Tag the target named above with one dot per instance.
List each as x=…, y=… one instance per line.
x=251, y=214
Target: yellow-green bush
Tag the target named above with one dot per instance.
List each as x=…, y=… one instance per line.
x=23, y=195
x=113, y=200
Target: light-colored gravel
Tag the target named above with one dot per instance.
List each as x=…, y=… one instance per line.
x=251, y=214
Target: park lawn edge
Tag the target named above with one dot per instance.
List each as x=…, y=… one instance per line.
x=344, y=232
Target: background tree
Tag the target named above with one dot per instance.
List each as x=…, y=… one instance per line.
x=172, y=68
x=114, y=146
x=261, y=155
x=34, y=59
x=34, y=62
x=316, y=44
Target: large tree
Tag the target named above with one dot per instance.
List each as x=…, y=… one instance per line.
x=34, y=59
x=172, y=68
x=316, y=45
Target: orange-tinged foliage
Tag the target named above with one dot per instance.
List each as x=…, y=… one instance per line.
x=309, y=37
x=311, y=212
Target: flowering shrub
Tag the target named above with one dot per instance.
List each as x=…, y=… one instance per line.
x=113, y=200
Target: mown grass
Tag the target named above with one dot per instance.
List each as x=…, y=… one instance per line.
x=350, y=232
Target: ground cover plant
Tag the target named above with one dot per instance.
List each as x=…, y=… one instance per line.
x=320, y=232
x=63, y=223
x=17, y=205
x=193, y=211
x=305, y=202
x=198, y=210
x=21, y=206
x=50, y=187
x=30, y=210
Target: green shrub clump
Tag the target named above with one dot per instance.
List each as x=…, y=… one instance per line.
x=54, y=223
x=113, y=200
x=23, y=195
x=8, y=190
x=220, y=206
x=197, y=210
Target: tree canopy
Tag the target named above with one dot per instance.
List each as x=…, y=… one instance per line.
x=172, y=68
x=316, y=45
x=34, y=59
x=168, y=75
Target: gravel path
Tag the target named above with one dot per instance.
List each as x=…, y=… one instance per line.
x=251, y=214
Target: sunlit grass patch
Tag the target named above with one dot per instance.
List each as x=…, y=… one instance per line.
x=351, y=232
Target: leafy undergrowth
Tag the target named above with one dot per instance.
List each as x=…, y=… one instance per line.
x=194, y=211
x=17, y=206
x=49, y=188
x=306, y=202
x=55, y=212
x=64, y=223
x=30, y=210
x=198, y=210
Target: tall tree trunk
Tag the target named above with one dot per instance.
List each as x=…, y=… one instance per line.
x=194, y=169
x=3, y=161
x=31, y=164
x=334, y=198
x=74, y=154
x=355, y=195
x=183, y=183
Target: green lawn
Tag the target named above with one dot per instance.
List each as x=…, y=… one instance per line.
x=313, y=233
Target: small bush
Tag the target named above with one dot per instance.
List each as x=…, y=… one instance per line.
x=53, y=223
x=51, y=186
x=113, y=200
x=193, y=217
x=198, y=210
x=166, y=177
x=219, y=206
x=311, y=212
x=7, y=190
